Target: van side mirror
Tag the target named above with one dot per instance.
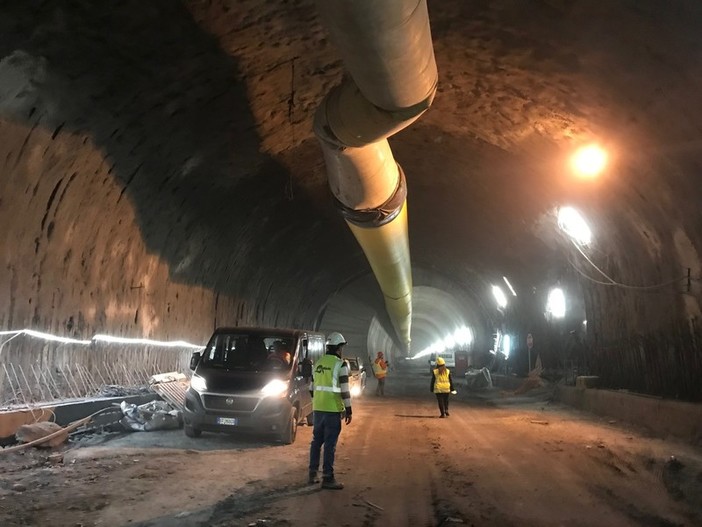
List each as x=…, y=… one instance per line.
x=195, y=360
x=306, y=369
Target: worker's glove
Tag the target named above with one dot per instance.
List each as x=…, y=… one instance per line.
x=347, y=417
x=454, y=392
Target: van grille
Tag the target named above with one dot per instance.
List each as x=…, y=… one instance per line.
x=238, y=404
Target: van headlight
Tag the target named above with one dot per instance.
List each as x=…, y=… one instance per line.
x=275, y=388
x=198, y=384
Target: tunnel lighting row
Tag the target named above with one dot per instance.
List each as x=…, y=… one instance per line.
x=589, y=161
x=502, y=343
x=500, y=297
x=571, y=222
x=463, y=336
x=556, y=303
x=97, y=338
x=499, y=294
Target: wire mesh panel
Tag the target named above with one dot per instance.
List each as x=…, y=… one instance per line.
x=34, y=371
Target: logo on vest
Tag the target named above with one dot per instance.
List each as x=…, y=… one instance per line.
x=320, y=369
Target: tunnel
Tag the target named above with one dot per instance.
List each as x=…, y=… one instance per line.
x=161, y=176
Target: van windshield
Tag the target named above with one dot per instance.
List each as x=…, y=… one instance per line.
x=248, y=352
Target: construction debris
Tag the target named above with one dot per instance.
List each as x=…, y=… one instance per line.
x=51, y=435
x=154, y=415
x=171, y=387
x=172, y=376
x=114, y=390
x=33, y=432
x=476, y=379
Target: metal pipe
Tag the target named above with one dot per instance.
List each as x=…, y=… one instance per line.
x=386, y=47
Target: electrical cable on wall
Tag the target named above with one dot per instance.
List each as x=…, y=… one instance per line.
x=611, y=281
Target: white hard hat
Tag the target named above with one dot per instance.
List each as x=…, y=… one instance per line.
x=335, y=339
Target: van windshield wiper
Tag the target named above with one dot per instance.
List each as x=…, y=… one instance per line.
x=228, y=367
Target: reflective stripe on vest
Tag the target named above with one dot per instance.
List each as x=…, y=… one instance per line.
x=441, y=381
x=327, y=396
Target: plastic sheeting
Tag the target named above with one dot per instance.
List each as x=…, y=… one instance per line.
x=154, y=415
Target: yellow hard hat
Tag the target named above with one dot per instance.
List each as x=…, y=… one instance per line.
x=440, y=362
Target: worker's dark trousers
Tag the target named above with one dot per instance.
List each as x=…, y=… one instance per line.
x=380, y=389
x=327, y=427
x=442, y=399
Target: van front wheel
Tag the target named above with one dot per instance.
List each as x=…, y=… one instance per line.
x=192, y=432
x=290, y=432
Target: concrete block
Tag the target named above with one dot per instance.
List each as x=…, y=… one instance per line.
x=586, y=381
x=10, y=421
x=661, y=417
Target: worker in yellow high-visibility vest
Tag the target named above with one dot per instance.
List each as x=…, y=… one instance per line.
x=331, y=400
x=442, y=386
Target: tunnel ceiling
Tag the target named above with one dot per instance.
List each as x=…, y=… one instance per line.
x=159, y=171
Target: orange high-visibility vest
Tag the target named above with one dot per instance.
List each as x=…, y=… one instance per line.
x=380, y=369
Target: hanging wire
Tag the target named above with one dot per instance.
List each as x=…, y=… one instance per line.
x=611, y=281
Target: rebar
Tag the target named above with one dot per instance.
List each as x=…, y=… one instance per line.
x=19, y=385
x=39, y=383
x=15, y=397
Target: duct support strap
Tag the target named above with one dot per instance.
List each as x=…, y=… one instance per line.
x=386, y=47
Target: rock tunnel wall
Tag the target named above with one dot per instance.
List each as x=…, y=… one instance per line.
x=643, y=309
x=74, y=257
x=142, y=192
x=158, y=174
x=146, y=186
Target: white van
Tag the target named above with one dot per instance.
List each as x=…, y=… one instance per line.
x=448, y=356
x=252, y=379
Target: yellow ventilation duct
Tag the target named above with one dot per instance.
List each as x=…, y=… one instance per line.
x=386, y=47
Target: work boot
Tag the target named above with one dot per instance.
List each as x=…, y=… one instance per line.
x=442, y=416
x=331, y=484
x=447, y=414
x=312, y=479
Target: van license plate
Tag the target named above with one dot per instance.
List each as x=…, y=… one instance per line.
x=231, y=421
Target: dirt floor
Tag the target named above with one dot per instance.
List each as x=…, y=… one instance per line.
x=498, y=460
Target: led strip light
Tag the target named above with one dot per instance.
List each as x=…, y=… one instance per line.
x=100, y=338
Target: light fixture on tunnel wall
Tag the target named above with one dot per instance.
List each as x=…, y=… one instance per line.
x=571, y=222
x=511, y=289
x=556, y=304
x=500, y=297
x=497, y=340
x=506, y=345
x=589, y=161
